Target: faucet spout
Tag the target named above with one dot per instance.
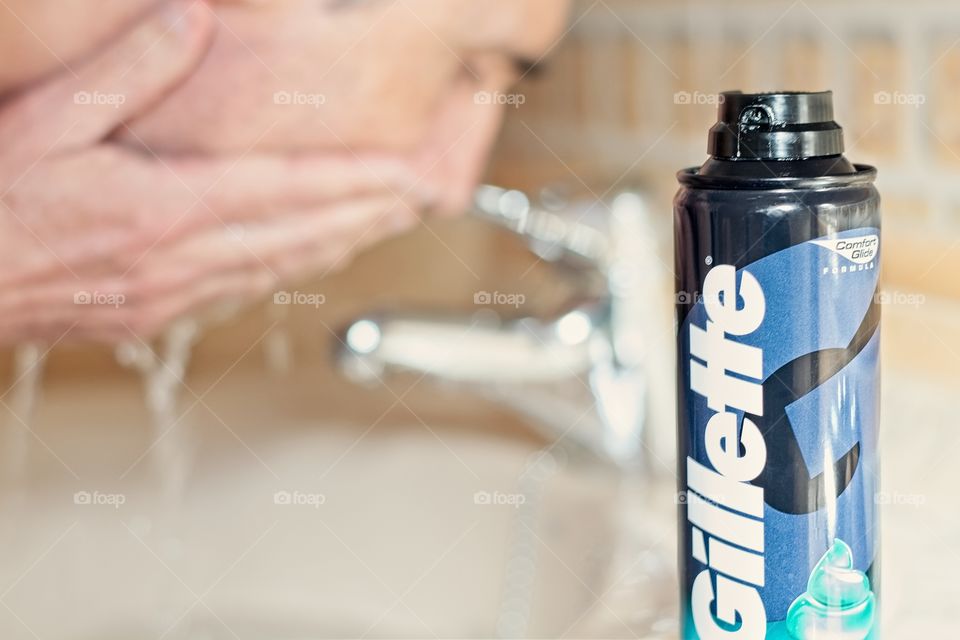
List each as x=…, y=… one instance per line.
x=578, y=375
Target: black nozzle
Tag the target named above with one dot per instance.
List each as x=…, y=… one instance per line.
x=775, y=126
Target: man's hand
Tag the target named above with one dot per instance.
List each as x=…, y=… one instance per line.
x=101, y=240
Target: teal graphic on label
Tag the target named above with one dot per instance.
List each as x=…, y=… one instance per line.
x=838, y=604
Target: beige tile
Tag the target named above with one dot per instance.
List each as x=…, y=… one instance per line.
x=803, y=64
x=681, y=57
x=876, y=126
x=906, y=211
x=944, y=100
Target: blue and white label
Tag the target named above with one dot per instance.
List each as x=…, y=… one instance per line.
x=781, y=361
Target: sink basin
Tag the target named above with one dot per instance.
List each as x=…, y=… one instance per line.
x=294, y=504
x=292, y=520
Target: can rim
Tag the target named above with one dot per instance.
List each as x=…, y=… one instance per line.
x=865, y=174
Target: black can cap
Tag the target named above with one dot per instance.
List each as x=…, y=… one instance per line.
x=775, y=126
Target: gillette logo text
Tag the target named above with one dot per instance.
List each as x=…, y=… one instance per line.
x=725, y=512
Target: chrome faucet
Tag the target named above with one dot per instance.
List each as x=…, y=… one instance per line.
x=582, y=376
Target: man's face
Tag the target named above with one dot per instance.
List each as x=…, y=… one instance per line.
x=361, y=78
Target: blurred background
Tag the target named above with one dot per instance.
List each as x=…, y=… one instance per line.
x=468, y=432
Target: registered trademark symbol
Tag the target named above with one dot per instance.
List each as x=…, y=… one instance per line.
x=708, y=260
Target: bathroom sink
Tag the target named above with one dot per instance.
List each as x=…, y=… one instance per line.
x=279, y=500
x=291, y=519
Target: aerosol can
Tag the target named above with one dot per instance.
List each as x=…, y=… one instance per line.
x=777, y=264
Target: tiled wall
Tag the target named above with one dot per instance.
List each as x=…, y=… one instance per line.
x=612, y=100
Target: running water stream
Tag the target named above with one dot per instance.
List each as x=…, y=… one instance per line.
x=162, y=370
x=277, y=347
x=19, y=404
x=171, y=451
